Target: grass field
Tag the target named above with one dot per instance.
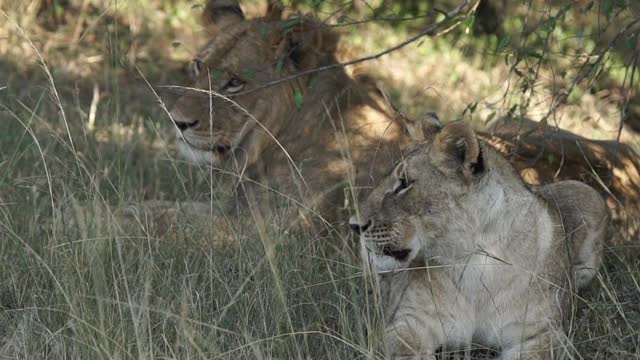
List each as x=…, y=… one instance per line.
x=86, y=271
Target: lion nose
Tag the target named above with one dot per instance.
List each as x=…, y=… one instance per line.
x=357, y=227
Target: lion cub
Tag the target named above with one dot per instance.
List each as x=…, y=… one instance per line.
x=466, y=253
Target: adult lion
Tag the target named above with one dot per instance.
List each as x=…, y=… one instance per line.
x=311, y=137
x=466, y=252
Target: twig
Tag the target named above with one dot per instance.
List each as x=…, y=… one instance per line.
x=431, y=30
x=586, y=68
x=382, y=19
x=627, y=100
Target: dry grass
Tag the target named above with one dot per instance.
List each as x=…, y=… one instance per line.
x=124, y=281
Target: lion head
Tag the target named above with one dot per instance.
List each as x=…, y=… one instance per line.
x=228, y=110
x=419, y=201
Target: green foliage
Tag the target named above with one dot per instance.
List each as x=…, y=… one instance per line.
x=279, y=66
x=298, y=98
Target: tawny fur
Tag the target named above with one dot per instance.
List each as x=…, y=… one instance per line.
x=338, y=132
x=466, y=253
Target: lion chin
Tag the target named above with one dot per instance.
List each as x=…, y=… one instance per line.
x=198, y=156
x=390, y=262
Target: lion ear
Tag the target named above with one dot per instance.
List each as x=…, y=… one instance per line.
x=218, y=14
x=456, y=150
x=274, y=10
x=304, y=42
x=424, y=129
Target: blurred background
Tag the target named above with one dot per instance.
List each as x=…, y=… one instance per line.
x=511, y=57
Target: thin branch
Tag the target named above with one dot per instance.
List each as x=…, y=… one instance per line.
x=586, y=69
x=630, y=92
x=430, y=31
x=382, y=19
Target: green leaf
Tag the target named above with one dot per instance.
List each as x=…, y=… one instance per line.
x=176, y=44
x=490, y=117
x=217, y=75
x=564, y=10
x=533, y=53
x=471, y=108
x=263, y=30
x=291, y=23
x=279, y=66
x=551, y=158
x=588, y=8
x=630, y=41
x=608, y=8
x=468, y=23
x=58, y=9
x=298, y=98
x=504, y=42
x=251, y=73
x=563, y=74
x=550, y=25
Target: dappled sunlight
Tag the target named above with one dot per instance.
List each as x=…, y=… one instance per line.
x=546, y=156
x=372, y=124
x=530, y=176
x=114, y=246
x=431, y=76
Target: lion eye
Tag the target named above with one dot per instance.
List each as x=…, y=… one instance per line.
x=233, y=86
x=403, y=186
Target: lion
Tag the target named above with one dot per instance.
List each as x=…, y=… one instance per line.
x=465, y=253
x=313, y=140
x=310, y=137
